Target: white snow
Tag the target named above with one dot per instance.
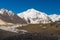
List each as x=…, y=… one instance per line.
x=34, y=16
x=5, y=11
x=55, y=17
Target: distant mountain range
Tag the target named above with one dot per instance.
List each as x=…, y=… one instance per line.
x=31, y=16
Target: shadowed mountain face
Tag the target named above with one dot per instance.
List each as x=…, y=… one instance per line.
x=10, y=17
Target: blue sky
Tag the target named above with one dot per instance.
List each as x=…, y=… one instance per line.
x=47, y=6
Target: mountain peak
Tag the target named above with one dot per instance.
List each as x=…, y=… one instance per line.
x=6, y=12
x=32, y=10
x=33, y=16
x=3, y=9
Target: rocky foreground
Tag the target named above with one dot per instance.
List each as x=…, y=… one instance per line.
x=33, y=36
x=6, y=35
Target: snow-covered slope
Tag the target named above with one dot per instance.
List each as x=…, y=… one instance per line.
x=9, y=17
x=55, y=17
x=6, y=12
x=34, y=17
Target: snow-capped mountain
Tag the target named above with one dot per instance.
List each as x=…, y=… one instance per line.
x=33, y=16
x=7, y=16
x=6, y=12
x=55, y=17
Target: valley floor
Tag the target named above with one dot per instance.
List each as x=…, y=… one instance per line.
x=49, y=31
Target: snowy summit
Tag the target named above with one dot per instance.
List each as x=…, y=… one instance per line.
x=34, y=17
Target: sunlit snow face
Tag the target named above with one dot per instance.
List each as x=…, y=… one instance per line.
x=55, y=17
x=1, y=12
x=34, y=16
